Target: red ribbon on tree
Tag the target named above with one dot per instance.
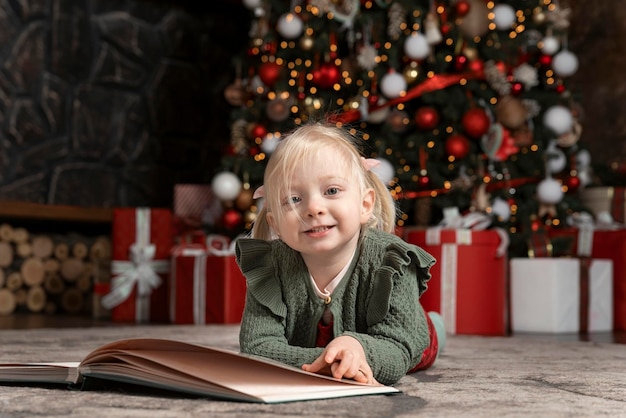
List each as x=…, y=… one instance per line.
x=437, y=82
x=490, y=187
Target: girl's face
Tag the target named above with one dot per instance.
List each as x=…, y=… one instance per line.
x=328, y=209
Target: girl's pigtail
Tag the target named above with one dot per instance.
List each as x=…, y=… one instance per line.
x=385, y=210
x=261, y=228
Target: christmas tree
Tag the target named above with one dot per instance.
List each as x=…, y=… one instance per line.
x=465, y=103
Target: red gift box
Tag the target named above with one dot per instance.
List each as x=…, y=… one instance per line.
x=611, y=200
x=195, y=205
x=205, y=288
x=468, y=285
x=141, y=243
x=612, y=244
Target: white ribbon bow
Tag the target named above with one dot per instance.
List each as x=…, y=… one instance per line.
x=219, y=245
x=141, y=270
x=476, y=221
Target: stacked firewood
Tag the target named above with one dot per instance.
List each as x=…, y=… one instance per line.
x=50, y=273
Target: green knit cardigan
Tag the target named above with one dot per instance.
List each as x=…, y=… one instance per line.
x=377, y=302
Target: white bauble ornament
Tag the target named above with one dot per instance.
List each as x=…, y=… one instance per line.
x=290, y=26
x=384, y=170
x=226, y=186
x=416, y=46
x=550, y=45
x=549, y=191
x=556, y=158
x=583, y=159
x=565, y=63
x=393, y=84
x=252, y=4
x=269, y=143
x=558, y=118
x=503, y=16
x=501, y=209
x=585, y=178
x=379, y=115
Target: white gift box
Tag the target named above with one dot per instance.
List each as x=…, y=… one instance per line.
x=561, y=295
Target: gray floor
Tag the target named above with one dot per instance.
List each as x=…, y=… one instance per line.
x=475, y=377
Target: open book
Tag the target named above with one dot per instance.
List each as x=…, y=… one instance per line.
x=192, y=369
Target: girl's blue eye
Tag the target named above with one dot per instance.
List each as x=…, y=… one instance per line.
x=332, y=190
x=292, y=199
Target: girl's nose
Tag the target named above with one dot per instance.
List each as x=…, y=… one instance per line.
x=315, y=206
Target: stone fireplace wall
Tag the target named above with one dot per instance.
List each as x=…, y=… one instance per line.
x=110, y=103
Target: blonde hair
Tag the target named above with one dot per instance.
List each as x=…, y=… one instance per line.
x=299, y=147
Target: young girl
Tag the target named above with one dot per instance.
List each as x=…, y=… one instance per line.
x=330, y=288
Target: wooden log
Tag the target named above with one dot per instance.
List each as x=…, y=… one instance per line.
x=32, y=271
x=54, y=284
x=72, y=268
x=6, y=232
x=80, y=250
x=24, y=249
x=100, y=249
x=51, y=265
x=7, y=302
x=14, y=280
x=84, y=283
x=6, y=254
x=61, y=251
x=20, y=296
x=43, y=246
x=20, y=235
x=1, y=278
x=72, y=300
x=36, y=299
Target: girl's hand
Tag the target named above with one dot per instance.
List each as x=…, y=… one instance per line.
x=343, y=357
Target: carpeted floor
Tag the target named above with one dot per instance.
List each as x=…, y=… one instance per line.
x=475, y=377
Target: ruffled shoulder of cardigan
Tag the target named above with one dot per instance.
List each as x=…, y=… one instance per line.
x=399, y=260
x=256, y=262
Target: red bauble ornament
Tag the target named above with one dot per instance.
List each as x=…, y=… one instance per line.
x=545, y=60
x=477, y=67
x=460, y=63
x=517, y=88
x=475, y=122
x=426, y=118
x=461, y=8
x=326, y=75
x=560, y=89
x=502, y=67
x=573, y=184
x=445, y=29
x=423, y=181
x=512, y=202
x=258, y=131
x=254, y=151
x=231, y=218
x=535, y=225
x=269, y=72
x=457, y=146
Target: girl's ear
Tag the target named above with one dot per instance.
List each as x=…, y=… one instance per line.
x=367, y=206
